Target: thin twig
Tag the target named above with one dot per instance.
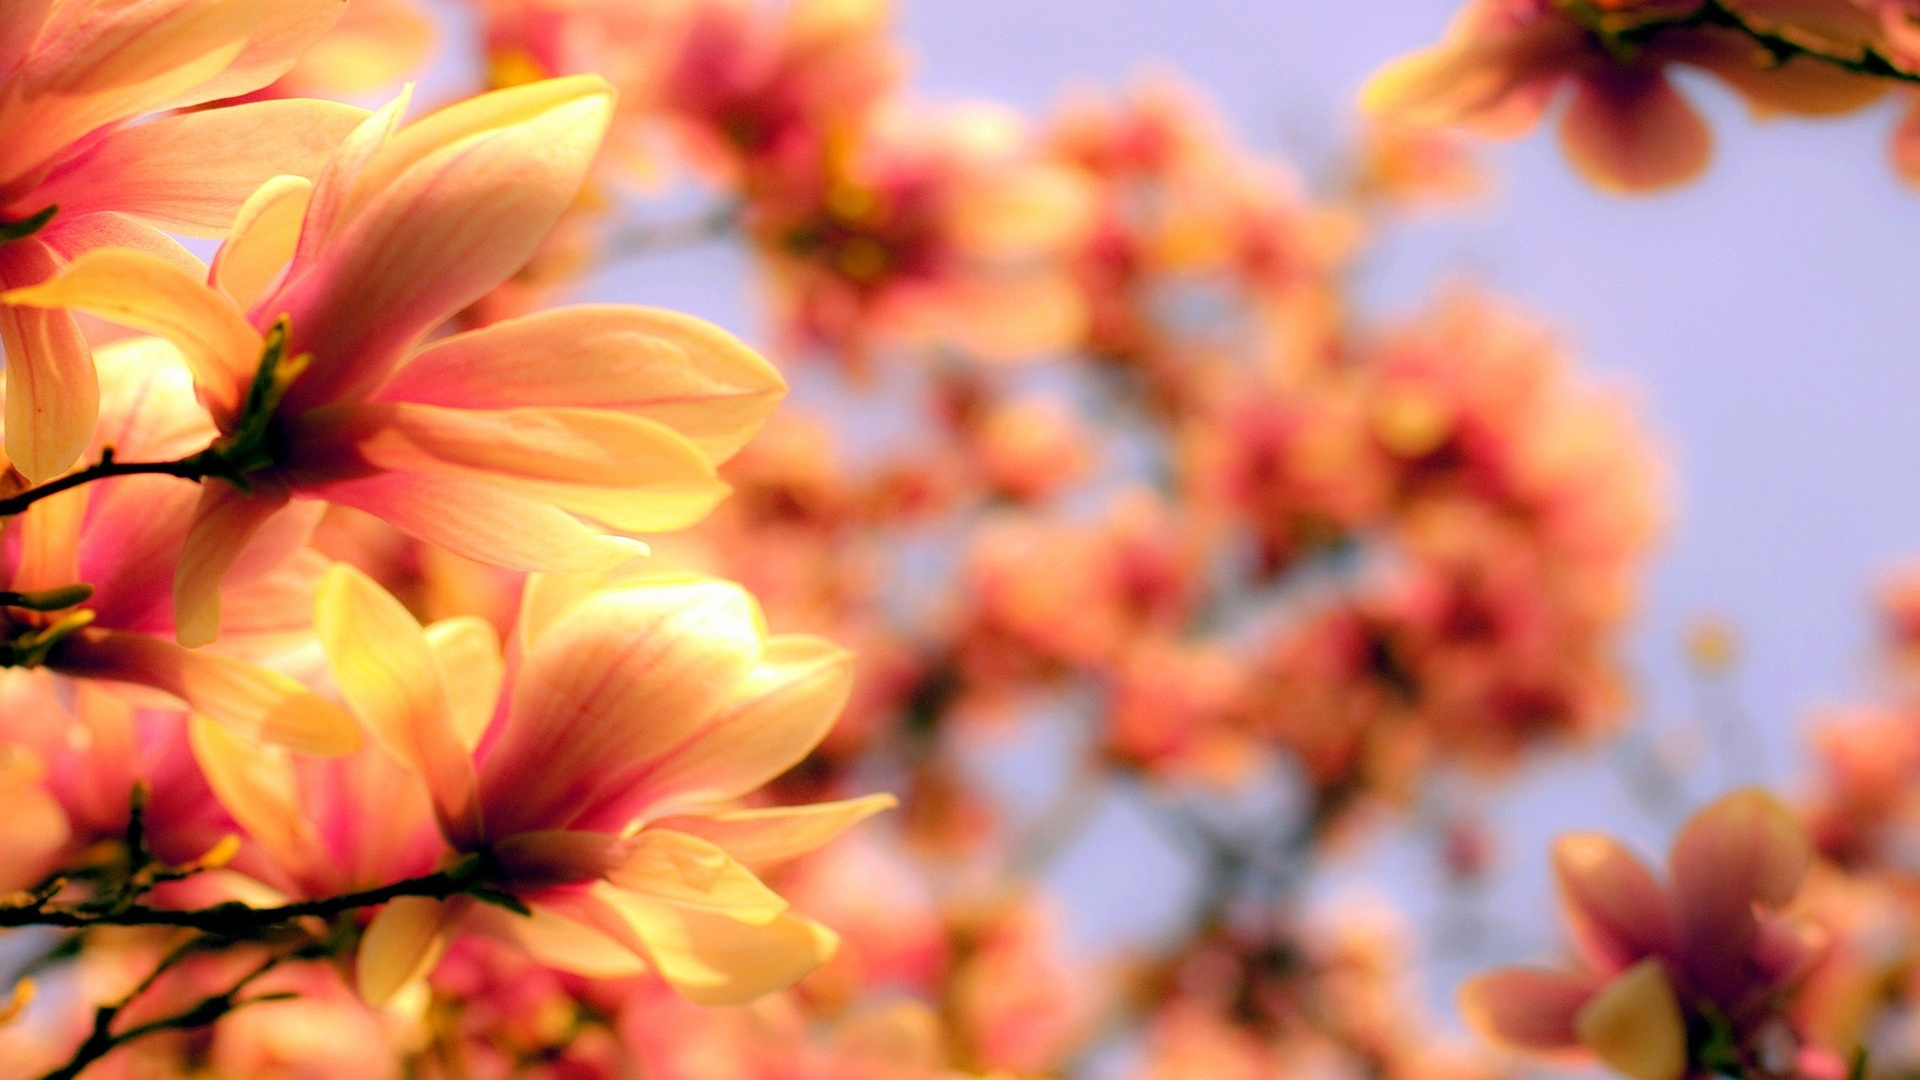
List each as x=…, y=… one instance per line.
x=195, y=467
x=238, y=920
x=1782, y=41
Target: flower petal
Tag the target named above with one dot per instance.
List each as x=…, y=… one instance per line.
x=629, y=473
x=621, y=678
x=252, y=700
x=557, y=937
x=466, y=648
x=686, y=871
x=482, y=521
x=401, y=944
x=684, y=372
x=71, y=237
x=437, y=236
x=144, y=291
x=53, y=393
x=1634, y=1025
x=225, y=521
x=1525, y=1008
x=776, y=716
x=1499, y=85
x=1742, y=850
x=767, y=836
x=191, y=172
x=1628, y=130
x=387, y=672
x=257, y=786
x=714, y=960
x=262, y=241
x=1616, y=908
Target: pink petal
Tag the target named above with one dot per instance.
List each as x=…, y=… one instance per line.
x=686, y=373
x=191, y=172
x=617, y=681
x=1628, y=130
x=251, y=700
x=482, y=521
x=1526, y=1008
x=73, y=236
x=439, y=235
x=1746, y=849
x=224, y=523
x=777, y=715
x=1617, y=910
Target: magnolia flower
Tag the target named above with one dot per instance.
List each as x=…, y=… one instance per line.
x=307, y=349
x=599, y=773
x=77, y=173
x=1687, y=979
x=1504, y=61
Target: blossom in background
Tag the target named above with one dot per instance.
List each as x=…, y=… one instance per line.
x=1504, y=62
x=937, y=227
x=1692, y=977
x=78, y=173
x=492, y=444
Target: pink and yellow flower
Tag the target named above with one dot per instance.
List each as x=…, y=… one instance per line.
x=600, y=774
x=1686, y=979
x=494, y=444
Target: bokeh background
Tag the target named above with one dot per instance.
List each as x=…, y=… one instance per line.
x=1764, y=318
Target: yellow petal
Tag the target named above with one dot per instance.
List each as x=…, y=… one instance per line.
x=53, y=392
x=531, y=103
x=401, y=944
x=629, y=473
x=778, y=714
x=714, y=960
x=1634, y=1025
x=225, y=521
x=467, y=650
x=256, y=785
x=148, y=293
x=767, y=836
x=685, y=372
x=677, y=868
x=262, y=240
x=252, y=700
x=385, y=668
x=565, y=943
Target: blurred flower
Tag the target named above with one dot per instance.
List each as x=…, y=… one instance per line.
x=488, y=443
x=1504, y=61
x=1683, y=980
